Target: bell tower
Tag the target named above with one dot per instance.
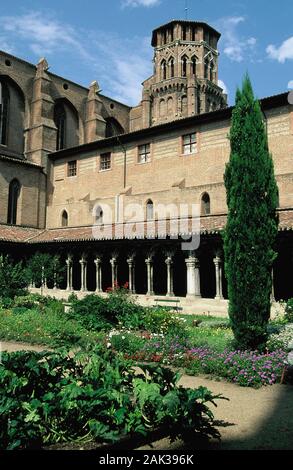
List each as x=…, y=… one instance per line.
x=185, y=80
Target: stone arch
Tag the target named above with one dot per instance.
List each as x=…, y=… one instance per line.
x=184, y=62
x=171, y=64
x=64, y=218
x=12, y=117
x=205, y=204
x=184, y=105
x=149, y=210
x=13, y=197
x=162, y=108
x=170, y=105
x=163, y=70
x=66, y=120
x=194, y=62
x=113, y=127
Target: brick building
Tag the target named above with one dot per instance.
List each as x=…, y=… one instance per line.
x=113, y=189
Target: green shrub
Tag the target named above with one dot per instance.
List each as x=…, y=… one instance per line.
x=13, y=278
x=48, y=398
x=92, y=312
x=126, y=342
x=289, y=310
x=159, y=320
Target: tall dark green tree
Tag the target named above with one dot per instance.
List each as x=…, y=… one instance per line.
x=252, y=226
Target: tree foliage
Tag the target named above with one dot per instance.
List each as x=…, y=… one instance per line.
x=252, y=198
x=13, y=278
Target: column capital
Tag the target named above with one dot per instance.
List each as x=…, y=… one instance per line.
x=217, y=260
x=169, y=260
x=98, y=261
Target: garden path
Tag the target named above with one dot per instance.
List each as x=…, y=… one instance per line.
x=253, y=419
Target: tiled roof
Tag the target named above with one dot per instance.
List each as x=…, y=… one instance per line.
x=208, y=225
x=16, y=234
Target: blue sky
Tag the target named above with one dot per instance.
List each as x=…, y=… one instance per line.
x=109, y=40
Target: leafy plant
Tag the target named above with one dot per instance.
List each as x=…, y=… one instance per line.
x=43, y=266
x=289, y=311
x=13, y=278
x=57, y=397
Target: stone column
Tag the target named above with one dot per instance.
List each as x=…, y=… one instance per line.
x=98, y=263
x=131, y=266
x=113, y=262
x=69, y=273
x=169, y=264
x=193, y=277
x=218, y=268
x=150, y=276
x=83, y=267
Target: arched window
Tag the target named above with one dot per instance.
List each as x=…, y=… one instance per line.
x=60, y=123
x=162, y=108
x=184, y=66
x=193, y=66
x=164, y=70
x=64, y=219
x=149, y=210
x=4, y=108
x=184, y=105
x=172, y=69
x=170, y=106
x=205, y=204
x=113, y=127
x=14, y=191
x=99, y=215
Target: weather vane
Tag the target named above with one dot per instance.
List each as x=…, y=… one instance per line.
x=186, y=9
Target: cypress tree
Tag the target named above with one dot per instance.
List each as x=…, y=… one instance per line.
x=252, y=225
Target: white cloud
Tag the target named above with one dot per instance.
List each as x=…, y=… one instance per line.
x=140, y=3
x=223, y=86
x=5, y=46
x=120, y=69
x=290, y=85
x=46, y=34
x=282, y=53
x=235, y=46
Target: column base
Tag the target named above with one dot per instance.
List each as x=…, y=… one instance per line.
x=193, y=296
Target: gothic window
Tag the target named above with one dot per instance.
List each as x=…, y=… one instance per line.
x=170, y=106
x=162, y=108
x=14, y=191
x=189, y=143
x=99, y=216
x=205, y=204
x=60, y=123
x=206, y=70
x=164, y=70
x=4, y=107
x=172, y=70
x=184, y=105
x=193, y=66
x=184, y=66
x=184, y=33
x=149, y=210
x=193, y=34
x=64, y=219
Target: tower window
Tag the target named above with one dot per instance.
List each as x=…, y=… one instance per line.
x=64, y=219
x=14, y=191
x=189, y=144
x=99, y=216
x=164, y=70
x=184, y=66
x=193, y=35
x=60, y=123
x=205, y=204
x=72, y=168
x=105, y=161
x=184, y=33
x=4, y=108
x=149, y=210
x=172, y=71
x=193, y=66
x=144, y=153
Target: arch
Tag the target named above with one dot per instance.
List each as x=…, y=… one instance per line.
x=149, y=210
x=4, y=112
x=67, y=123
x=12, y=110
x=164, y=69
x=194, y=61
x=184, y=105
x=162, y=108
x=113, y=127
x=170, y=105
x=64, y=219
x=172, y=67
x=99, y=215
x=184, y=61
x=13, y=195
x=205, y=205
